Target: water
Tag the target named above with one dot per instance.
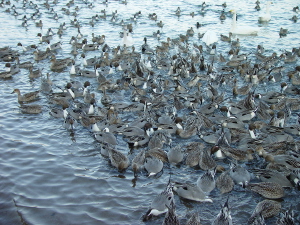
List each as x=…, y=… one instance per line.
x=52, y=176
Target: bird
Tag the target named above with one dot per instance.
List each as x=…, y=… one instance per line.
x=171, y=218
x=206, y=161
x=59, y=112
x=266, y=208
x=287, y=218
x=283, y=32
x=69, y=123
x=210, y=37
x=46, y=84
x=118, y=159
x=103, y=136
x=153, y=165
x=160, y=203
x=268, y=190
x=274, y=176
x=207, y=181
x=226, y=38
x=224, y=182
x=242, y=30
x=175, y=155
x=239, y=174
x=31, y=109
x=127, y=39
x=27, y=97
x=191, y=192
x=222, y=16
x=224, y=216
x=138, y=162
x=194, y=219
x=265, y=17
x=58, y=65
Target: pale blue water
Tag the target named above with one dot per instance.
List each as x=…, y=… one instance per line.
x=49, y=176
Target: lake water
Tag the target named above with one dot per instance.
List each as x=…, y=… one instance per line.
x=50, y=175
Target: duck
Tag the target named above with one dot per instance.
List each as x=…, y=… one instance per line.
x=175, y=155
x=171, y=218
x=24, y=65
x=88, y=62
x=27, y=97
x=31, y=109
x=70, y=123
x=60, y=64
x=41, y=55
x=46, y=84
x=34, y=73
x=59, y=112
x=294, y=18
x=207, y=181
x=54, y=46
x=273, y=176
x=191, y=192
x=265, y=17
x=224, y=182
x=266, y=208
x=287, y=160
x=5, y=75
x=160, y=203
x=283, y=32
x=222, y=16
x=153, y=165
x=193, y=157
x=239, y=174
x=88, y=47
x=118, y=159
x=224, y=216
x=206, y=161
x=242, y=30
x=178, y=11
x=194, y=219
x=138, y=136
x=44, y=38
x=138, y=162
x=27, y=48
x=12, y=68
x=104, y=136
x=226, y=38
x=257, y=7
x=287, y=218
x=268, y=190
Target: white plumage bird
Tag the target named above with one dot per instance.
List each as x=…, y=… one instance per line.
x=265, y=17
x=242, y=30
x=210, y=37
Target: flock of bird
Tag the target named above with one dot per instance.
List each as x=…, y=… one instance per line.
x=171, y=104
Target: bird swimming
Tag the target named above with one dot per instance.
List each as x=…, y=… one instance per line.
x=242, y=29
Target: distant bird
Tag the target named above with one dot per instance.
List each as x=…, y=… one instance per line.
x=265, y=17
x=283, y=32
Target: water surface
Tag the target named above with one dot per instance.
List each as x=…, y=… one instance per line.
x=52, y=176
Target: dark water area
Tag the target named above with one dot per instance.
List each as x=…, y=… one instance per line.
x=51, y=175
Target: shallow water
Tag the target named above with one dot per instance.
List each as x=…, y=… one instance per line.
x=52, y=176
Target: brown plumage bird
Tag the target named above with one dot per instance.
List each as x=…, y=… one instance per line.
x=267, y=189
x=27, y=97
